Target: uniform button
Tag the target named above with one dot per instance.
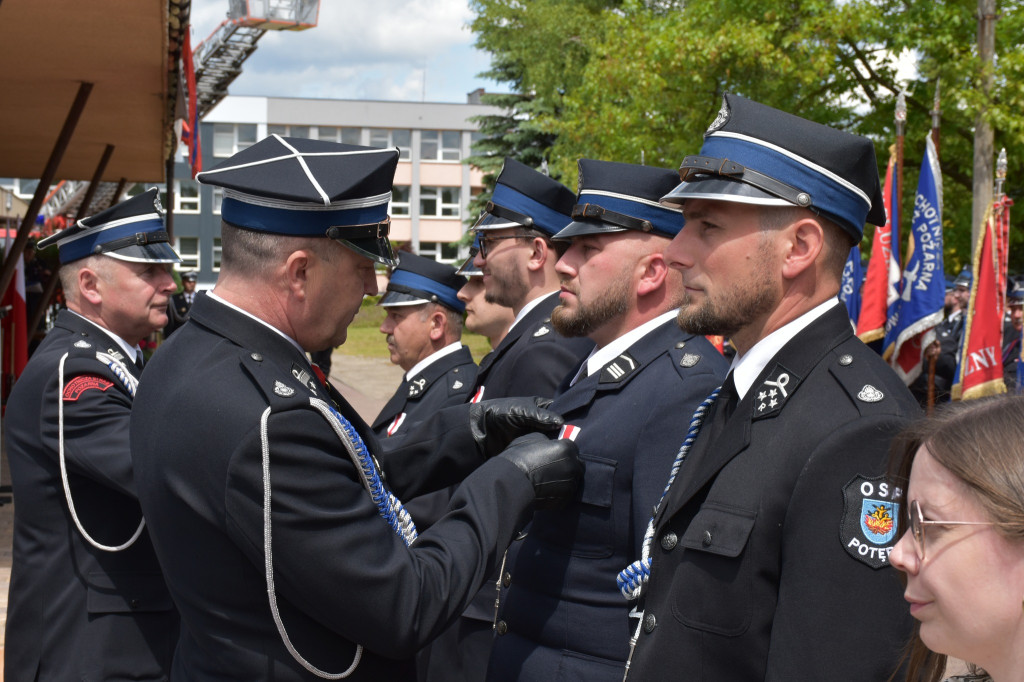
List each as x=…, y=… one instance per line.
x=845, y=360
x=706, y=539
x=134, y=603
x=669, y=540
x=650, y=622
x=506, y=579
x=681, y=344
x=257, y=357
x=502, y=627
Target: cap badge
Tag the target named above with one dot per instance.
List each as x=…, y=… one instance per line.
x=283, y=390
x=870, y=394
x=689, y=360
x=720, y=120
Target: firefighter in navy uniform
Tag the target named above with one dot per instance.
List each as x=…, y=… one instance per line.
x=424, y=330
x=517, y=259
x=562, y=615
x=768, y=553
x=87, y=600
x=181, y=303
x=285, y=549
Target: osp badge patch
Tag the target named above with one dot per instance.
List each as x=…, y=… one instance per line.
x=870, y=519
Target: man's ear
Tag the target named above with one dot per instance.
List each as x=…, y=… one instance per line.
x=540, y=252
x=89, y=286
x=438, y=321
x=804, y=240
x=296, y=273
x=653, y=270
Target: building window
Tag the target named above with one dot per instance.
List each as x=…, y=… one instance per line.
x=216, y=254
x=288, y=131
x=400, y=200
x=440, y=145
x=383, y=137
x=230, y=138
x=440, y=202
x=218, y=199
x=345, y=135
x=186, y=196
x=444, y=252
x=188, y=249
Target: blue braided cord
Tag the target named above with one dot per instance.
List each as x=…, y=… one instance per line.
x=632, y=578
x=119, y=372
x=388, y=506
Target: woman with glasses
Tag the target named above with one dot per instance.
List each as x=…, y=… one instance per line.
x=963, y=556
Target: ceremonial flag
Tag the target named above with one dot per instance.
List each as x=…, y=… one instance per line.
x=881, y=285
x=919, y=307
x=14, y=323
x=849, y=290
x=979, y=371
x=190, y=128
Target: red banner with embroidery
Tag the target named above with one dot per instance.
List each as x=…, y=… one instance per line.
x=883, y=277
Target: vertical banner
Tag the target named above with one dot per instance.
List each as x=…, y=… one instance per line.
x=980, y=366
x=190, y=129
x=920, y=304
x=849, y=289
x=14, y=323
x=883, y=275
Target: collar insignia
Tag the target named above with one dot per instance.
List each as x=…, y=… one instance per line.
x=304, y=377
x=870, y=394
x=772, y=394
x=416, y=387
x=115, y=354
x=618, y=369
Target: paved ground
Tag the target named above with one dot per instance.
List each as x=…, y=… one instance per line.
x=367, y=383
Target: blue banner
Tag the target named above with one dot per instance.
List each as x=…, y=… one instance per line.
x=849, y=289
x=919, y=307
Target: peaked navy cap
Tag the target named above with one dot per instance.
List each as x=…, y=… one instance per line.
x=615, y=197
x=524, y=197
x=310, y=188
x=419, y=280
x=468, y=269
x=964, y=279
x=1016, y=291
x=755, y=154
x=131, y=230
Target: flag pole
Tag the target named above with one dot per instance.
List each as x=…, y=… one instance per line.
x=934, y=357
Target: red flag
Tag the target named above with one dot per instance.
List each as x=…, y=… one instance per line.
x=882, y=280
x=14, y=324
x=190, y=127
x=980, y=366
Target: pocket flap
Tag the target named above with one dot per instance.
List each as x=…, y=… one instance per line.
x=598, y=480
x=719, y=531
x=127, y=591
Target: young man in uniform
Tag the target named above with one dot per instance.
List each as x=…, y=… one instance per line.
x=769, y=552
x=562, y=615
x=87, y=600
x=286, y=550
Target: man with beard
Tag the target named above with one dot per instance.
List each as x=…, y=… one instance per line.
x=517, y=258
x=482, y=317
x=561, y=614
x=769, y=549
x=87, y=599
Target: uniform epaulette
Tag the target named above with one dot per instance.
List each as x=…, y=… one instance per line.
x=867, y=388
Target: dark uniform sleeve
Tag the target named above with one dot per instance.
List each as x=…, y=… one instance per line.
x=822, y=585
x=96, y=414
x=334, y=556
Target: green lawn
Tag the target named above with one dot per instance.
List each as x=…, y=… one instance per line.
x=365, y=339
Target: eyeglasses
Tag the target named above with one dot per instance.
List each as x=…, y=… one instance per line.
x=485, y=240
x=917, y=524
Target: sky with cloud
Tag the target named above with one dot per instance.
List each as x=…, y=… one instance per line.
x=406, y=50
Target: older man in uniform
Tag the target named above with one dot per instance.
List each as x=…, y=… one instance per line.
x=769, y=552
x=517, y=259
x=87, y=600
x=561, y=615
x=423, y=326
x=285, y=548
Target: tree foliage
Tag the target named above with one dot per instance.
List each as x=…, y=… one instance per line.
x=640, y=81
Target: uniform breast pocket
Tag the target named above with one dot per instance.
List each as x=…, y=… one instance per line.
x=586, y=528
x=712, y=586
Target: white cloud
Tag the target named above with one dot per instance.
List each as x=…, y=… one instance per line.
x=362, y=50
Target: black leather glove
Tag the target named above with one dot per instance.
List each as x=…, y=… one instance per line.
x=496, y=423
x=553, y=467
